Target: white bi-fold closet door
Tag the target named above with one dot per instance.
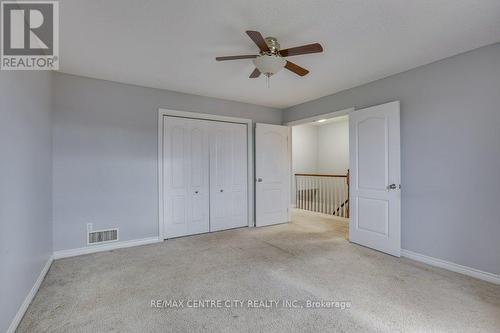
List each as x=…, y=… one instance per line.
x=185, y=177
x=228, y=176
x=204, y=176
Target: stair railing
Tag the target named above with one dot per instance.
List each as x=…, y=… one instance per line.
x=323, y=193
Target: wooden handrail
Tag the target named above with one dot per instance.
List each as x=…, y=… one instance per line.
x=323, y=195
x=319, y=175
x=342, y=206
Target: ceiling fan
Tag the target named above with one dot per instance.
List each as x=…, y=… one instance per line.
x=270, y=59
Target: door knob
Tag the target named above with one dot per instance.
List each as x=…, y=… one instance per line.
x=259, y=180
x=393, y=187
x=221, y=190
x=195, y=192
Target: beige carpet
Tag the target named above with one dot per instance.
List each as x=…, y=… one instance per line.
x=308, y=259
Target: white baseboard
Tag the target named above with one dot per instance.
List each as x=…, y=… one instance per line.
x=104, y=247
x=451, y=266
x=27, y=301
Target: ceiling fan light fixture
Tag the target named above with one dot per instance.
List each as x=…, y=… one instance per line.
x=270, y=59
x=269, y=64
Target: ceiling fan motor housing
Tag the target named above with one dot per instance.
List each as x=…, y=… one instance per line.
x=272, y=43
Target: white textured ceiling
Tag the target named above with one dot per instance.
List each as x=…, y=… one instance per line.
x=172, y=44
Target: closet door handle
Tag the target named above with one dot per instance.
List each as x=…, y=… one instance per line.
x=195, y=192
x=221, y=190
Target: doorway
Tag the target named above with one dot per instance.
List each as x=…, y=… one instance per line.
x=370, y=196
x=320, y=169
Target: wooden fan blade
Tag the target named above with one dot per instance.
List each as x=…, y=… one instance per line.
x=255, y=73
x=304, y=49
x=258, y=39
x=296, y=68
x=236, y=57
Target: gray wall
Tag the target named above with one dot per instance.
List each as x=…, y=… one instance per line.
x=105, y=154
x=333, y=147
x=450, y=136
x=25, y=185
x=305, y=149
x=304, y=153
x=321, y=148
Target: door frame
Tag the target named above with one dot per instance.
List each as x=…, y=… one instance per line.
x=162, y=112
x=333, y=114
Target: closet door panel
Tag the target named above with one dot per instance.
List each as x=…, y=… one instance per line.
x=239, y=175
x=185, y=177
x=219, y=154
x=219, y=176
x=199, y=174
x=228, y=176
x=174, y=180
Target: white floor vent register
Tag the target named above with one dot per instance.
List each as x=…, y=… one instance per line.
x=102, y=236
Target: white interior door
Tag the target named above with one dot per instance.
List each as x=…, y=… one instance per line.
x=272, y=170
x=185, y=180
x=375, y=197
x=228, y=176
